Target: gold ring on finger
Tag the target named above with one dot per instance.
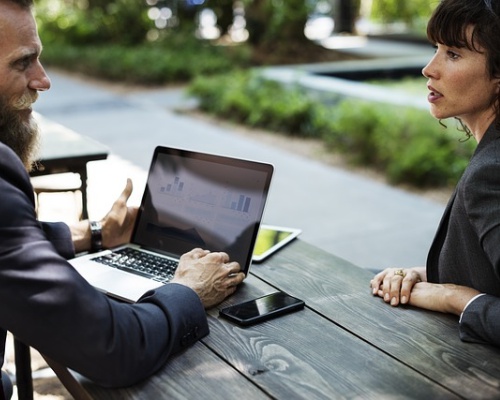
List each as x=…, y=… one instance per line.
x=399, y=272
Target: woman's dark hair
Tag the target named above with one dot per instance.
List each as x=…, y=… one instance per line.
x=448, y=25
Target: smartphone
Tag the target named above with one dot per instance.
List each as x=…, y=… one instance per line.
x=261, y=309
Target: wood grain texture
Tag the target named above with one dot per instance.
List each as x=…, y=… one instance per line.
x=194, y=374
x=303, y=355
x=344, y=344
x=426, y=341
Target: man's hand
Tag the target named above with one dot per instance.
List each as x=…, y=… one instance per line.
x=211, y=275
x=118, y=223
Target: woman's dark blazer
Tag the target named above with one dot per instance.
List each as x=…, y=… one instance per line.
x=466, y=248
x=48, y=305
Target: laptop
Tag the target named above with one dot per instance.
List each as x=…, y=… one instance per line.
x=191, y=200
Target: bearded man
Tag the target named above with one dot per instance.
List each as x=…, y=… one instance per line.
x=44, y=302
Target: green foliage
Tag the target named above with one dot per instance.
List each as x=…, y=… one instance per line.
x=272, y=21
x=179, y=59
x=397, y=10
x=81, y=22
x=107, y=39
x=415, y=13
x=288, y=18
x=91, y=22
x=407, y=144
x=248, y=98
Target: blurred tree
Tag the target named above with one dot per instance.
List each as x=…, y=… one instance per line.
x=93, y=21
x=276, y=29
x=406, y=11
x=224, y=11
x=345, y=14
x=258, y=18
x=278, y=20
x=187, y=11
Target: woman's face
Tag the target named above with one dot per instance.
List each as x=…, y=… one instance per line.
x=460, y=86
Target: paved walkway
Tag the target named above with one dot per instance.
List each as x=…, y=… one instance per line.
x=366, y=222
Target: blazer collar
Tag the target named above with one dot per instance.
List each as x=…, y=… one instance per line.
x=491, y=134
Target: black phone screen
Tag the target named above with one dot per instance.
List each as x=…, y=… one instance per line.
x=262, y=308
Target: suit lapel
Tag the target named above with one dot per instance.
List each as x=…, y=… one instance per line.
x=437, y=243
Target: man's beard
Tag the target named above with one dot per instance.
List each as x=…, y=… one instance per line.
x=18, y=132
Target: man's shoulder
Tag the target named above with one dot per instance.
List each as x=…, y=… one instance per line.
x=12, y=171
x=9, y=158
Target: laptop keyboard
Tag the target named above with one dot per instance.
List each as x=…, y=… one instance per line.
x=158, y=268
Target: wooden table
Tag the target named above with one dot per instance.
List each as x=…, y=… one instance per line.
x=64, y=150
x=344, y=344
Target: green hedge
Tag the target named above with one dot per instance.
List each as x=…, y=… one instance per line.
x=407, y=144
x=93, y=22
x=156, y=63
x=247, y=98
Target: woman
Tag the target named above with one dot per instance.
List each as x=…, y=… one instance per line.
x=462, y=275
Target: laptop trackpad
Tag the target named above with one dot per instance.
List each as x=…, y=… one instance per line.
x=122, y=285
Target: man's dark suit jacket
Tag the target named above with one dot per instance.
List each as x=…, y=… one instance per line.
x=466, y=248
x=49, y=306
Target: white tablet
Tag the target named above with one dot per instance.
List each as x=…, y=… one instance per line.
x=272, y=238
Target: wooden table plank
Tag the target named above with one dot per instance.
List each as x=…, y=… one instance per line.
x=63, y=150
x=196, y=373
x=426, y=341
x=303, y=355
x=344, y=344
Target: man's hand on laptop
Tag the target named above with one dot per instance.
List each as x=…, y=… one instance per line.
x=211, y=275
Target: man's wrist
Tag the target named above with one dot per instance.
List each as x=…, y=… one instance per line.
x=95, y=236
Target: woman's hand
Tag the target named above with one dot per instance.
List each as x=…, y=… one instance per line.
x=446, y=298
x=394, y=285
x=407, y=286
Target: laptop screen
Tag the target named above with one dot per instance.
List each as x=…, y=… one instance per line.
x=202, y=200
